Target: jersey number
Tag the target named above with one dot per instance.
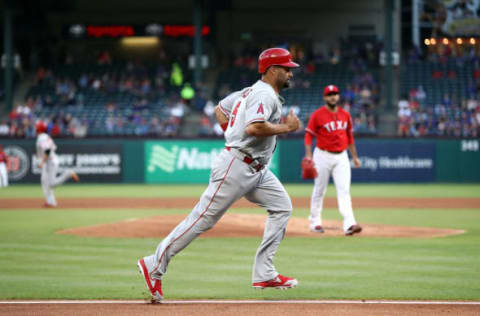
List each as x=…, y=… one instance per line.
x=234, y=113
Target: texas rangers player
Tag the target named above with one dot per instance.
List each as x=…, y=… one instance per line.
x=332, y=127
x=49, y=164
x=251, y=119
x=3, y=168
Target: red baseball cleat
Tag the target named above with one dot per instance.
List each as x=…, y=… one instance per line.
x=317, y=229
x=46, y=205
x=153, y=285
x=280, y=282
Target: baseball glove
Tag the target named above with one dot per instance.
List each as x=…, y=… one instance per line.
x=308, y=169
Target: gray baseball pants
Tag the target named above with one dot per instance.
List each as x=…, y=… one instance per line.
x=231, y=179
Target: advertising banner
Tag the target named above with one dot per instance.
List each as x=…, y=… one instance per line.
x=92, y=162
x=183, y=161
x=395, y=162
x=382, y=161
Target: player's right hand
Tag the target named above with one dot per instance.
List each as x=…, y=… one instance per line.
x=292, y=121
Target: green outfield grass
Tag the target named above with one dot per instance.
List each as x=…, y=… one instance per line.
x=37, y=263
x=300, y=190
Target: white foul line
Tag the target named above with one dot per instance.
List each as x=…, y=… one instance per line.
x=242, y=302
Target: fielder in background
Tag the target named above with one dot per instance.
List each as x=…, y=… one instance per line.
x=251, y=120
x=332, y=127
x=49, y=164
x=3, y=168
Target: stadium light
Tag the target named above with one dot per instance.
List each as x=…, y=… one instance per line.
x=433, y=41
x=459, y=41
x=427, y=42
x=472, y=41
x=140, y=41
x=445, y=41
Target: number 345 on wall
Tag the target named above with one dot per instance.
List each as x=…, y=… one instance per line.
x=470, y=145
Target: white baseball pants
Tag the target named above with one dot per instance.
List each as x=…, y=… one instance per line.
x=3, y=175
x=50, y=180
x=337, y=165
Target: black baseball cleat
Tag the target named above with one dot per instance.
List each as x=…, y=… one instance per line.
x=354, y=229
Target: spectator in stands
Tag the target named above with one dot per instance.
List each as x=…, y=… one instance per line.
x=54, y=128
x=176, y=75
x=155, y=126
x=171, y=126
x=104, y=58
x=80, y=129
x=83, y=81
x=4, y=128
x=421, y=95
x=348, y=94
x=206, y=126
x=209, y=110
x=142, y=127
x=365, y=94
x=179, y=109
x=404, y=114
x=110, y=125
x=187, y=93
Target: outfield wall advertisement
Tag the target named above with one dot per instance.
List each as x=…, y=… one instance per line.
x=187, y=161
x=395, y=162
x=92, y=162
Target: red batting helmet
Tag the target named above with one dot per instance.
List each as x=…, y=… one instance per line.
x=275, y=57
x=330, y=89
x=41, y=127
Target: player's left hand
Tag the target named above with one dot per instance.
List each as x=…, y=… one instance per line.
x=292, y=121
x=356, y=162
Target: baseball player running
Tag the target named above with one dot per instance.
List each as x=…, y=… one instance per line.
x=251, y=120
x=332, y=127
x=3, y=168
x=49, y=164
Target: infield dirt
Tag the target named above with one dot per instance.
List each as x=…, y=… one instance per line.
x=244, y=225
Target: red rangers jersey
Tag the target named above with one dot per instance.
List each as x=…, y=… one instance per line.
x=333, y=130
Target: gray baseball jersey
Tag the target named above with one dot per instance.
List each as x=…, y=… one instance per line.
x=237, y=172
x=49, y=178
x=257, y=103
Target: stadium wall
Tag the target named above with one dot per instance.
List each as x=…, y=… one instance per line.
x=188, y=161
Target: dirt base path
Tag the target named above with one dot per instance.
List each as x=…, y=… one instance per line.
x=250, y=308
x=246, y=225
x=304, y=202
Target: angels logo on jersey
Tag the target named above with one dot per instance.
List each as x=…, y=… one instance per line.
x=335, y=125
x=260, y=109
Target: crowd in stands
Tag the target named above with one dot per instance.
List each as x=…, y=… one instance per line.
x=453, y=77
x=137, y=98
x=155, y=98
x=351, y=67
x=106, y=98
x=451, y=117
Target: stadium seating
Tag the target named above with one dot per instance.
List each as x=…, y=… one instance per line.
x=438, y=79
x=307, y=93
